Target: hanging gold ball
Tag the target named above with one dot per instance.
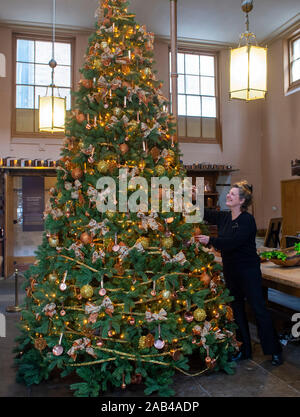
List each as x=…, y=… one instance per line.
x=104, y=44
x=110, y=214
x=87, y=291
x=144, y=242
x=117, y=111
x=167, y=242
x=102, y=167
x=53, y=241
x=199, y=314
x=166, y=294
x=52, y=277
x=142, y=342
x=160, y=170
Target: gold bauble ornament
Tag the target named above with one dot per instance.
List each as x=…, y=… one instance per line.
x=166, y=294
x=104, y=44
x=144, y=241
x=102, y=167
x=110, y=214
x=142, y=342
x=86, y=291
x=167, y=242
x=117, y=111
x=199, y=314
x=160, y=170
x=53, y=241
x=52, y=277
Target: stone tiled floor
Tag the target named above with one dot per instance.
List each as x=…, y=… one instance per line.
x=253, y=378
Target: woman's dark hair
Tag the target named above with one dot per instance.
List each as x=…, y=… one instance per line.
x=245, y=192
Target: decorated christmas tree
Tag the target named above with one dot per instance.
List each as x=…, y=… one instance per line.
x=121, y=296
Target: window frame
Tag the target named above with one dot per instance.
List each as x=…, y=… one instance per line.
x=295, y=84
x=38, y=37
x=215, y=54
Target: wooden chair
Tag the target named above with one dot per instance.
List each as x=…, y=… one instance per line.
x=272, y=239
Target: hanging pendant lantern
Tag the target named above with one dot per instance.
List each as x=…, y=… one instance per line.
x=248, y=65
x=52, y=109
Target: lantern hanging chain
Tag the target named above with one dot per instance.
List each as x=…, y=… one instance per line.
x=52, y=62
x=247, y=35
x=53, y=28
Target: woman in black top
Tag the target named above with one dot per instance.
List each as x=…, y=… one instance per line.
x=241, y=268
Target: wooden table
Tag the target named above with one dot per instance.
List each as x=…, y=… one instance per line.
x=284, y=279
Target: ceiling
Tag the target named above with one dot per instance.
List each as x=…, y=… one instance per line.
x=216, y=21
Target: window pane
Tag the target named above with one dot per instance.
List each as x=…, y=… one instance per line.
x=42, y=75
x=208, y=107
x=181, y=89
x=24, y=120
x=180, y=63
x=43, y=52
x=193, y=127
x=62, y=53
x=181, y=105
x=192, y=84
x=207, y=86
x=66, y=92
x=209, y=127
x=62, y=76
x=207, y=65
x=181, y=126
x=24, y=99
x=40, y=91
x=296, y=70
x=25, y=50
x=193, y=106
x=296, y=49
x=192, y=64
x=25, y=73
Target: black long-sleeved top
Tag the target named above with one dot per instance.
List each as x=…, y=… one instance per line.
x=236, y=238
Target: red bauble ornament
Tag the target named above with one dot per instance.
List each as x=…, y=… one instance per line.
x=85, y=238
x=124, y=148
x=80, y=117
x=76, y=173
x=205, y=278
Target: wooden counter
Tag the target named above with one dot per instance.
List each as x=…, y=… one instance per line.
x=284, y=279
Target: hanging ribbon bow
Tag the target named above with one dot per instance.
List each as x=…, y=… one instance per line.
x=98, y=254
x=148, y=221
x=162, y=315
x=49, y=309
x=81, y=344
x=179, y=257
x=76, y=248
x=98, y=226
